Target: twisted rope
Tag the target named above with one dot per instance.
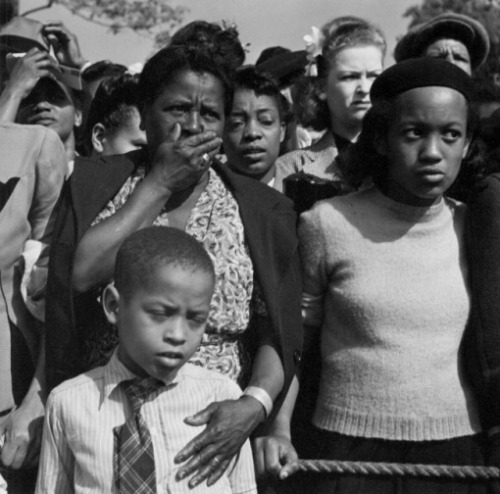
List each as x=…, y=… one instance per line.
x=400, y=469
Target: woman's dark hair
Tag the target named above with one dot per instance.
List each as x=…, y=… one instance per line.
x=339, y=34
x=261, y=83
x=201, y=58
x=361, y=160
x=114, y=101
x=209, y=33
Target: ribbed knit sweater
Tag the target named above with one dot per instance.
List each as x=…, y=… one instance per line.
x=387, y=284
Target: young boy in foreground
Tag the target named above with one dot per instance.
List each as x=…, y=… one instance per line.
x=117, y=428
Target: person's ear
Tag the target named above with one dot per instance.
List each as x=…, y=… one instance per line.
x=282, y=132
x=466, y=147
x=98, y=135
x=78, y=118
x=111, y=303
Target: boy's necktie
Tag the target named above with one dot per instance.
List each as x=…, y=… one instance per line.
x=134, y=462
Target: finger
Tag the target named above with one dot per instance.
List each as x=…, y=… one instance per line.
x=272, y=464
x=192, y=447
x=258, y=458
x=211, y=148
x=203, y=416
x=202, y=138
x=291, y=465
x=175, y=134
x=20, y=455
x=8, y=452
x=213, y=467
x=215, y=476
x=198, y=461
x=33, y=452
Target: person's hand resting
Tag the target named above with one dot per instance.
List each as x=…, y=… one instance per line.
x=22, y=432
x=229, y=424
x=274, y=456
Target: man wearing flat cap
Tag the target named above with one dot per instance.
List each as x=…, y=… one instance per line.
x=456, y=38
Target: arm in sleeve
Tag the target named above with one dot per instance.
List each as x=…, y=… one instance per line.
x=57, y=463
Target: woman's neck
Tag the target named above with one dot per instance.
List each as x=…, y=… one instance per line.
x=351, y=134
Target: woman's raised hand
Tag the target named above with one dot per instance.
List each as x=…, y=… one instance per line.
x=180, y=162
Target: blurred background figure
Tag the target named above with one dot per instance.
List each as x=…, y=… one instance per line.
x=287, y=67
x=113, y=124
x=457, y=38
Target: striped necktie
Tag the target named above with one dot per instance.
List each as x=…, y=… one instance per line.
x=134, y=462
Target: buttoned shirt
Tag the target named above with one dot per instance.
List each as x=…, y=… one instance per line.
x=78, y=443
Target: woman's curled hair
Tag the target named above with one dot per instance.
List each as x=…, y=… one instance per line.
x=339, y=34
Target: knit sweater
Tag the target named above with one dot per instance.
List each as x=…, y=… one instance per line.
x=386, y=282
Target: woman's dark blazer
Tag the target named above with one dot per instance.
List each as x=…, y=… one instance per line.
x=270, y=227
x=482, y=343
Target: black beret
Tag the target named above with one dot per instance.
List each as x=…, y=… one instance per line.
x=420, y=72
x=449, y=25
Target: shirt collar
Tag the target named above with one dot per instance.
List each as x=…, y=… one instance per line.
x=115, y=373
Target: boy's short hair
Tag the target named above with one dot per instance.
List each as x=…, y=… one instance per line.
x=146, y=250
x=113, y=103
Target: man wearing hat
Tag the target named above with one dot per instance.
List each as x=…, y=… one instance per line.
x=454, y=37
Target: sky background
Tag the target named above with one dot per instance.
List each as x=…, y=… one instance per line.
x=261, y=23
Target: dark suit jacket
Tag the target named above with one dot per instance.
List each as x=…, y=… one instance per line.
x=482, y=343
x=269, y=222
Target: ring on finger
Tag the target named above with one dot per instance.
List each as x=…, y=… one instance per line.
x=206, y=158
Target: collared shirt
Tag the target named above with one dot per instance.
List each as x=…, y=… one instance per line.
x=78, y=443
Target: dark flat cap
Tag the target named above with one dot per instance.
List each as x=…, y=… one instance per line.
x=21, y=35
x=420, y=72
x=449, y=25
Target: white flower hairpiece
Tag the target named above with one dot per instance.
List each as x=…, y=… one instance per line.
x=314, y=46
x=135, y=68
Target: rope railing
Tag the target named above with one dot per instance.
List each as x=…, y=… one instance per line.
x=399, y=469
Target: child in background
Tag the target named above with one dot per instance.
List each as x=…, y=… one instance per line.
x=164, y=281
x=113, y=124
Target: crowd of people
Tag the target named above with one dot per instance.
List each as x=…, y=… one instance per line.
x=210, y=269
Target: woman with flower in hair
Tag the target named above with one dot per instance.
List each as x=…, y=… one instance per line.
x=336, y=95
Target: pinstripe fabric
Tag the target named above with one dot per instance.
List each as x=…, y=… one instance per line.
x=78, y=442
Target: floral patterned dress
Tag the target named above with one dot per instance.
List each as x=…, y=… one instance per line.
x=216, y=223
